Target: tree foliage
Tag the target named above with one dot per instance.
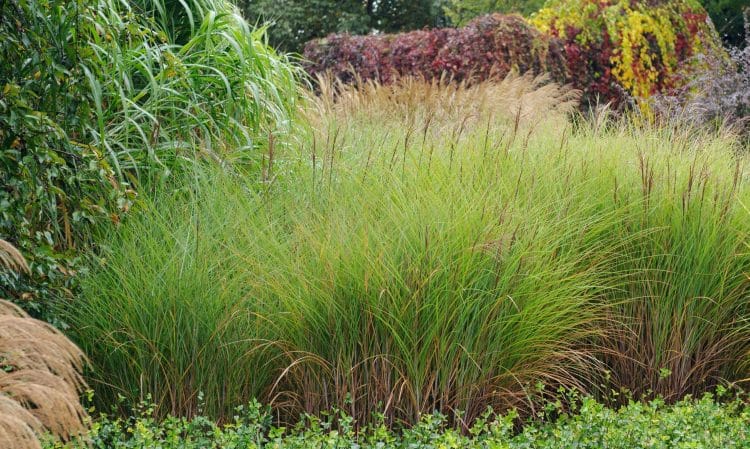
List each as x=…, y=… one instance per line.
x=51, y=185
x=295, y=22
x=460, y=12
x=727, y=17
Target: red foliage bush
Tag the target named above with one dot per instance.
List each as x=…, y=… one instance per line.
x=489, y=46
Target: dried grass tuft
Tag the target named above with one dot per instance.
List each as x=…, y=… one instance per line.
x=18, y=427
x=10, y=309
x=40, y=381
x=11, y=258
x=440, y=105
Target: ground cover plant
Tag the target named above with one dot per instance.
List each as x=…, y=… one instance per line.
x=428, y=246
x=690, y=423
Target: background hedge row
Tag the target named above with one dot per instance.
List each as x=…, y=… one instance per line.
x=609, y=50
x=489, y=46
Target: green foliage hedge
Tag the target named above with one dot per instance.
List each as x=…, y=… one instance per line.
x=703, y=423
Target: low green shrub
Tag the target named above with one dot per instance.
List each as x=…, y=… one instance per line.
x=691, y=423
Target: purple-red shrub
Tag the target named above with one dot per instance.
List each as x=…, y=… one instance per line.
x=489, y=46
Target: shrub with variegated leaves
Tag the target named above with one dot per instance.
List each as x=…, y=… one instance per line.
x=624, y=47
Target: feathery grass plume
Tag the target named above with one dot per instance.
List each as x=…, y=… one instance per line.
x=18, y=427
x=10, y=309
x=40, y=381
x=11, y=258
x=433, y=105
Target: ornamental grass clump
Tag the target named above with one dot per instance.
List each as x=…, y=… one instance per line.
x=432, y=247
x=198, y=82
x=678, y=286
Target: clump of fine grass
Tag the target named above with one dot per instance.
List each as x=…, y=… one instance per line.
x=680, y=288
x=426, y=255
x=169, y=314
